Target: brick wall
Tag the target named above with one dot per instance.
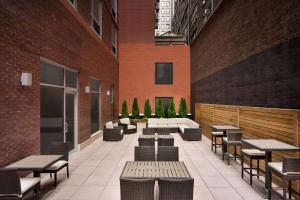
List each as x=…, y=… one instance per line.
x=56, y=31
x=138, y=54
x=247, y=54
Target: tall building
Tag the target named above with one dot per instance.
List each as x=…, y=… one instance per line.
x=150, y=67
x=191, y=15
x=165, y=12
x=68, y=63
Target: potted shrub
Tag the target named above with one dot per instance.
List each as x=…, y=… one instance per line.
x=135, y=109
x=159, y=109
x=124, y=109
x=171, y=109
x=147, y=109
x=182, y=108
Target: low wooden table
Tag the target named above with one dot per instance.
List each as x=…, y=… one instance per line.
x=270, y=145
x=35, y=163
x=155, y=137
x=155, y=169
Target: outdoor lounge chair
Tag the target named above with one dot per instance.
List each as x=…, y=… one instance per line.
x=129, y=127
x=59, y=148
x=144, y=153
x=137, y=189
x=13, y=187
x=287, y=171
x=173, y=189
x=165, y=153
x=111, y=133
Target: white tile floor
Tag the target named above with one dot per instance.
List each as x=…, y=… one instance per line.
x=95, y=172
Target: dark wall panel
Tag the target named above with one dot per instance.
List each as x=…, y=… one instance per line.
x=268, y=79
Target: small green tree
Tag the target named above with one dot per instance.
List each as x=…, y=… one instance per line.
x=135, y=109
x=147, y=109
x=182, y=108
x=159, y=109
x=171, y=109
x=124, y=109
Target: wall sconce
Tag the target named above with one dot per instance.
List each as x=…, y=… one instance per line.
x=108, y=92
x=87, y=89
x=26, y=79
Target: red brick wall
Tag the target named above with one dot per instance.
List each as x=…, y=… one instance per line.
x=53, y=30
x=137, y=73
x=138, y=54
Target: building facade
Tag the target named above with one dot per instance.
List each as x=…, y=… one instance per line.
x=191, y=16
x=164, y=12
x=149, y=70
x=68, y=49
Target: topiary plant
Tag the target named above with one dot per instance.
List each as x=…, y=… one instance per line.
x=182, y=108
x=124, y=109
x=159, y=109
x=135, y=109
x=147, y=109
x=171, y=109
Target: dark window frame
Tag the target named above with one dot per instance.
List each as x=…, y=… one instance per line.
x=164, y=80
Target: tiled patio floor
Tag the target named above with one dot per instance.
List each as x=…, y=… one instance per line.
x=95, y=172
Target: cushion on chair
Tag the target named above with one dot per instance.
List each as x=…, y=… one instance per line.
x=125, y=121
x=131, y=127
x=217, y=133
x=172, y=121
x=152, y=121
x=278, y=167
x=172, y=125
x=122, y=131
x=253, y=152
x=182, y=127
x=162, y=121
x=28, y=183
x=109, y=125
x=152, y=126
x=57, y=165
x=161, y=126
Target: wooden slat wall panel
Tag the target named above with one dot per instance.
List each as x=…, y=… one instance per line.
x=205, y=117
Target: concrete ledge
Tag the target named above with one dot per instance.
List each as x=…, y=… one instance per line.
x=89, y=141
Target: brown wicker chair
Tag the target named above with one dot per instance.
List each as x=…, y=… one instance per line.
x=287, y=171
x=176, y=189
x=127, y=127
x=137, y=189
x=233, y=139
x=163, y=131
x=165, y=141
x=13, y=187
x=167, y=153
x=146, y=142
x=149, y=131
x=113, y=134
x=59, y=148
x=144, y=153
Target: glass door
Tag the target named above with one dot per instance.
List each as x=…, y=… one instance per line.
x=70, y=101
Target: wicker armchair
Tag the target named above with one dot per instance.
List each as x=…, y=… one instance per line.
x=163, y=131
x=149, y=131
x=137, y=189
x=173, y=189
x=165, y=141
x=113, y=134
x=128, y=126
x=13, y=187
x=146, y=142
x=144, y=153
x=167, y=153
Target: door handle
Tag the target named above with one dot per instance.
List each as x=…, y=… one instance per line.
x=66, y=127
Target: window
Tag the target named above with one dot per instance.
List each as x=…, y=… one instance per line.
x=162, y=10
x=167, y=26
x=97, y=16
x=168, y=10
x=162, y=19
x=163, y=73
x=95, y=105
x=167, y=19
x=163, y=3
x=163, y=26
x=73, y=2
x=167, y=3
x=114, y=40
x=114, y=7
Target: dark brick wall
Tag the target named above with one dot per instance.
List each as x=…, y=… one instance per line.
x=240, y=54
x=54, y=30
